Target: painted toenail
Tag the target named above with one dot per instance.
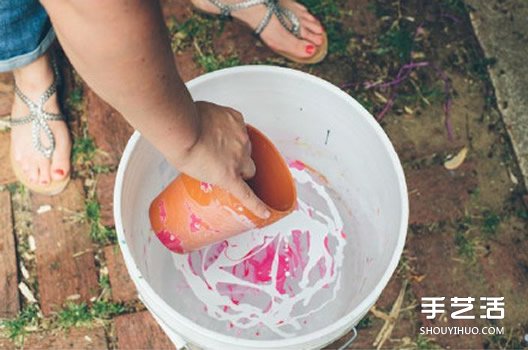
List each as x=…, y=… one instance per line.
x=310, y=49
x=59, y=172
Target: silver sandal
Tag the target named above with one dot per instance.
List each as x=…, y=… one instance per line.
x=283, y=14
x=286, y=17
x=38, y=117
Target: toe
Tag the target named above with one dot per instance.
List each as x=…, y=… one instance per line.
x=289, y=43
x=44, y=171
x=305, y=48
x=317, y=39
x=60, y=171
x=33, y=172
x=25, y=166
x=312, y=24
x=60, y=164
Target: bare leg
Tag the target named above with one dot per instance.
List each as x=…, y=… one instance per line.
x=33, y=80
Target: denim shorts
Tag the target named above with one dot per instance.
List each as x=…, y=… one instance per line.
x=25, y=33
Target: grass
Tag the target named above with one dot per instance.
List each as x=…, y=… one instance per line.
x=84, y=149
x=398, y=41
x=425, y=343
x=365, y=322
x=75, y=99
x=500, y=341
x=522, y=214
x=422, y=96
x=364, y=100
x=490, y=223
x=479, y=65
x=402, y=59
x=71, y=315
x=17, y=328
x=16, y=188
x=456, y=6
x=104, y=282
x=76, y=315
x=197, y=29
x=212, y=62
x=465, y=245
x=98, y=232
x=105, y=310
x=469, y=245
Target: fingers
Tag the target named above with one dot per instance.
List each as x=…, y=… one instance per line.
x=248, y=198
x=248, y=169
x=236, y=115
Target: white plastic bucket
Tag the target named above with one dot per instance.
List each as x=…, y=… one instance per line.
x=308, y=119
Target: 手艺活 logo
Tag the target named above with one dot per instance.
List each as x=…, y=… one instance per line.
x=492, y=308
x=463, y=308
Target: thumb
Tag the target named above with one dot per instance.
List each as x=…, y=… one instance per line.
x=240, y=189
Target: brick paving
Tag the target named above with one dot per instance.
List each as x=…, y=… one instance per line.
x=86, y=338
x=9, y=301
x=108, y=128
x=74, y=338
x=6, y=93
x=123, y=289
x=64, y=255
x=105, y=196
x=140, y=331
x=6, y=175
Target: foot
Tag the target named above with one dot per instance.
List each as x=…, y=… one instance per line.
x=278, y=38
x=33, y=80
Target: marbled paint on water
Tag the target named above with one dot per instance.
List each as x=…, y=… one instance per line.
x=269, y=276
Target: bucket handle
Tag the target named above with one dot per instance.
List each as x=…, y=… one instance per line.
x=351, y=340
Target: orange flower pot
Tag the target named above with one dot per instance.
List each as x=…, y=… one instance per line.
x=190, y=214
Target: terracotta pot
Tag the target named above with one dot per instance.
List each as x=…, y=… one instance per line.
x=190, y=214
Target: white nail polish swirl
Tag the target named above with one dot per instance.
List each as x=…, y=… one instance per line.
x=269, y=276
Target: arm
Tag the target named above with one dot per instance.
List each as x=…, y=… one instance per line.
x=122, y=51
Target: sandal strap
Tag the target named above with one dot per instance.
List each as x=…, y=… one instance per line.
x=38, y=117
x=286, y=17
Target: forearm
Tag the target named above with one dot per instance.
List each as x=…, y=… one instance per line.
x=121, y=50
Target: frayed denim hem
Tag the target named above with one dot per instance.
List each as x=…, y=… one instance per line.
x=25, y=59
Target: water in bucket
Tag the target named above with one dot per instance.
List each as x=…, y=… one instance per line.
x=321, y=268
x=270, y=282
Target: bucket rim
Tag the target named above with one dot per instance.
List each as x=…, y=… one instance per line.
x=342, y=323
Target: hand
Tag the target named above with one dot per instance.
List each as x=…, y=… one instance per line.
x=222, y=154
